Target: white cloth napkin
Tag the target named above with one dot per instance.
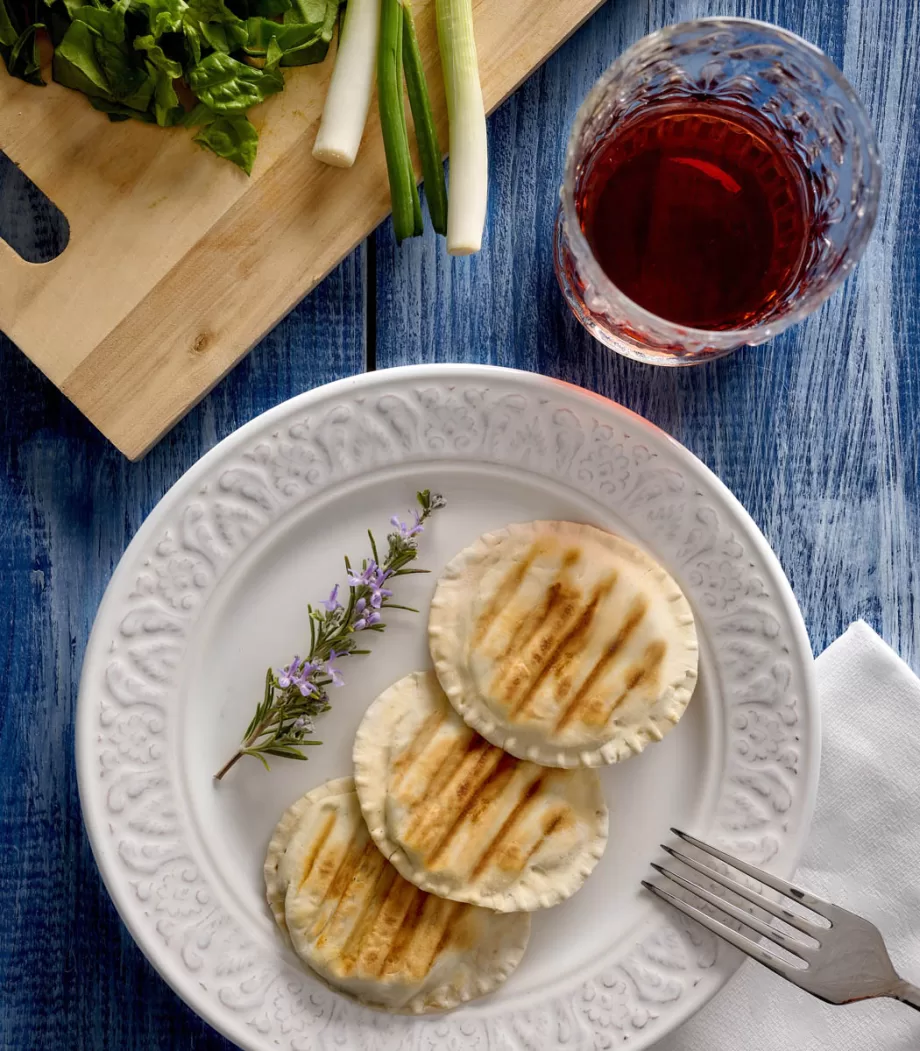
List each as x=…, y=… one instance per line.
x=863, y=853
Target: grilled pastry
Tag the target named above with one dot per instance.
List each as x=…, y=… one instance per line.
x=563, y=644
x=464, y=819
x=369, y=933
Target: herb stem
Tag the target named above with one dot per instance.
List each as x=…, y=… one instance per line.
x=230, y=763
x=266, y=724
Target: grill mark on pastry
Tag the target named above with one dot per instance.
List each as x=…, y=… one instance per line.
x=522, y=805
x=317, y=849
x=374, y=900
x=640, y=673
x=558, y=608
x=633, y=619
x=335, y=884
x=442, y=774
x=435, y=808
x=493, y=787
x=562, y=665
x=569, y=642
x=527, y=627
x=451, y=912
x=507, y=589
x=405, y=760
x=341, y=883
x=484, y=799
x=523, y=634
x=486, y=765
x=570, y=558
x=405, y=896
x=511, y=584
x=549, y=827
x=553, y=821
x=399, y=953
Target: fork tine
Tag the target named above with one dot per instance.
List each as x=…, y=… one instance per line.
x=750, y=948
x=818, y=905
x=799, y=923
x=791, y=945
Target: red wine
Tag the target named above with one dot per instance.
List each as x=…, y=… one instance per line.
x=698, y=214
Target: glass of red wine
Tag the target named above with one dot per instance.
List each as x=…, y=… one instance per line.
x=721, y=180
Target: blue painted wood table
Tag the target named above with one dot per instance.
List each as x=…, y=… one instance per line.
x=814, y=432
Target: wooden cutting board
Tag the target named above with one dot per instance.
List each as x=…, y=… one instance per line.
x=177, y=263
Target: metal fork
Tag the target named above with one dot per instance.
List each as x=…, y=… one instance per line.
x=849, y=961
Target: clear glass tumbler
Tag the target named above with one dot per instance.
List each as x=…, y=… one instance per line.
x=806, y=103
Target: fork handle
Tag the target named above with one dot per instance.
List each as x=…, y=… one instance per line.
x=907, y=994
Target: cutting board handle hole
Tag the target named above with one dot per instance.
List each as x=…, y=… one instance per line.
x=30, y=223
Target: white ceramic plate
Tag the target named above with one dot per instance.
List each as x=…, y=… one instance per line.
x=214, y=588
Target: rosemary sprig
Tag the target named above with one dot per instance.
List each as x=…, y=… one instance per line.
x=296, y=694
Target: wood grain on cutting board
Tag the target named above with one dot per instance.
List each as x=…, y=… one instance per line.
x=177, y=263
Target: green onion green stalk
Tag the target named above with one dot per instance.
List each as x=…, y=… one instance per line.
x=403, y=189
x=425, y=134
x=399, y=55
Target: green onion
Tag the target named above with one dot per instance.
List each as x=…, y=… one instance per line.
x=425, y=133
x=418, y=225
x=469, y=164
x=349, y=96
x=403, y=190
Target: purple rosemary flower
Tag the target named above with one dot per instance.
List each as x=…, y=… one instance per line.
x=300, y=674
x=367, y=621
x=305, y=683
x=288, y=676
x=303, y=725
x=378, y=595
x=366, y=578
x=332, y=603
x=332, y=672
x=383, y=575
x=406, y=531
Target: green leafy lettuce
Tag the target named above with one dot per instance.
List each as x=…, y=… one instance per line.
x=195, y=63
x=231, y=87
x=304, y=34
x=232, y=137
x=19, y=29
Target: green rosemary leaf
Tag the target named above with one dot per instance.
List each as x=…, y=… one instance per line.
x=263, y=708
x=284, y=753
x=258, y=755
